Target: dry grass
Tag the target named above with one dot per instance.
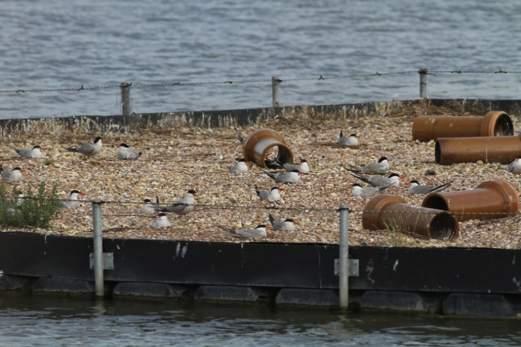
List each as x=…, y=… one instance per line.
x=175, y=160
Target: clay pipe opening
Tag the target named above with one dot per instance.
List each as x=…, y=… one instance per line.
x=503, y=125
x=491, y=199
x=265, y=146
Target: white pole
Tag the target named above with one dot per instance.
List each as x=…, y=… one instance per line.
x=98, y=248
x=343, y=268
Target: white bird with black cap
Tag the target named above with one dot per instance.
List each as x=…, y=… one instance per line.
x=416, y=188
x=380, y=167
x=238, y=167
x=283, y=224
x=34, y=152
x=347, y=141
x=150, y=207
x=292, y=176
x=391, y=180
x=72, y=199
x=88, y=149
x=357, y=191
x=302, y=167
x=160, y=221
x=272, y=195
x=11, y=176
x=182, y=205
x=125, y=152
x=259, y=232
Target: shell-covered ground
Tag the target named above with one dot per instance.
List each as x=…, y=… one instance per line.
x=175, y=160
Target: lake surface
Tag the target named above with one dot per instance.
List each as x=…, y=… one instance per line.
x=49, y=321
x=60, y=44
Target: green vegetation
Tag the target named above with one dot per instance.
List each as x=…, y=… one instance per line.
x=33, y=210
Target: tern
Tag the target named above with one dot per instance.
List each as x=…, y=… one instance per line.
x=160, y=221
x=391, y=180
x=258, y=232
x=302, y=167
x=272, y=195
x=364, y=192
x=347, y=141
x=150, y=207
x=88, y=149
x=183, y=205
x=11, y=175
x=238, y=167
x=416, y=188
x=283, y=224
x=30, y=153
x=381, y=167
x=292, y=176
x=515, y=166
x=125, y=152
x=72, y=199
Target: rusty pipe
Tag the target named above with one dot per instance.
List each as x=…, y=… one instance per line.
x=494, y=123
x=263, y=143
x=490, y=149
x=490, y=199
x=390, y=211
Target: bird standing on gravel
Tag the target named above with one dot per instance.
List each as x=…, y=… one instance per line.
x=272, y=195
x=11, y=175
x=302, y=167
x=292, y=176
x=160, y=221
x=258, y=232
x=72, y=199
x=416, y=188
x=183, y=205
x=30, y=153
x=238, y=167
x=282, y=224
x=381, y=167
x=515, y=166
x=347, y=141
x=88, y=149
x=391, y=180
x=357, y=191
x=125, y=152
x=149, y=207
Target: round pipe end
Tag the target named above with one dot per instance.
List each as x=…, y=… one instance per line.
x=262, y=144
x=444, y=227
x=497, y=123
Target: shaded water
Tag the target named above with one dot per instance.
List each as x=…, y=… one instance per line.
x=100, y=43
x=47, y=321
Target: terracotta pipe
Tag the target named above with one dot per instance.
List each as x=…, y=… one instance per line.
x=390, y=211
x=491, y=199
x=495, y=123
x=491, y=149
x=264, y=142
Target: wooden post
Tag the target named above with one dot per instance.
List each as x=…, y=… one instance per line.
x=423, y=82
x=275, y=82
x=125, y=98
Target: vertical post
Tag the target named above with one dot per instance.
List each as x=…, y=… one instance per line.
x=98, y=248
x=125, y=98
x=423, y=82
x=343, y=263
x=275, y=82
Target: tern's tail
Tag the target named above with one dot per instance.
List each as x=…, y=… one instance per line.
x=353, y=169
x=269, y=174
x=441, y=187
x=72, y=149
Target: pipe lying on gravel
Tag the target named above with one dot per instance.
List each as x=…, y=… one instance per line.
x=491, y=199
x=491, y=149
x=494, y=123
x=391, y=212
x=266, y=144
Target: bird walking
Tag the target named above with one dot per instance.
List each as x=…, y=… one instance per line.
x=292, y=176
x=272, y=195
x=416, y=188
x=182, y=205
x=357, y=191
x=11, y=176
x=160, y=221
x=347, y=141
x=125, y=152
x=30, y=153
x=381, y=167
x=391, y=180
x=238, y=167
x=282, y=224
x=88, y=149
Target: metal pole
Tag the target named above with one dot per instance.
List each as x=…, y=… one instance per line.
x=125, y=98
x=275, y=82
x=98, y=248
x=343, y=266
x=423, y=82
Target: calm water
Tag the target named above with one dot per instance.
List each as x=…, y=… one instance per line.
x=40, y=321
x=67, y=44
